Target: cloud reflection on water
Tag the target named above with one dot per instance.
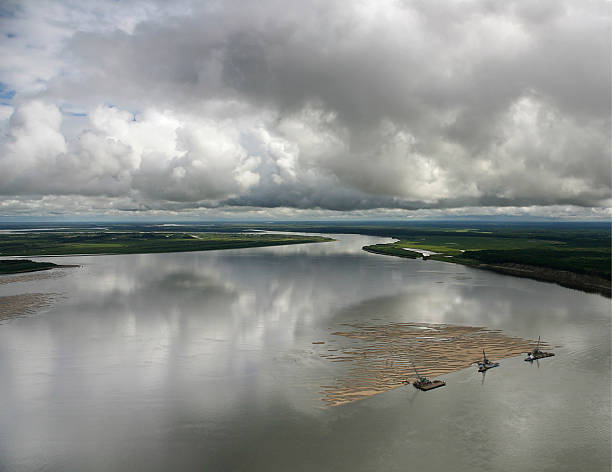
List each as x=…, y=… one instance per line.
x=196, y=355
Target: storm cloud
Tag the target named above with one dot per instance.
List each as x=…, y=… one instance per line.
x=397, y=105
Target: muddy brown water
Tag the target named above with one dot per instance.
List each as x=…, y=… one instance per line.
x=206, y=361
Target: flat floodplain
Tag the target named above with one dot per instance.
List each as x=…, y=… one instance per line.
x=125, y=242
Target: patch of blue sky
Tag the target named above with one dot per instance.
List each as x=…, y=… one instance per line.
x=10, y=35
x=5, y=92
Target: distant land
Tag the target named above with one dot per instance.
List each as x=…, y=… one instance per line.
x=572, y=254
x=113, y=240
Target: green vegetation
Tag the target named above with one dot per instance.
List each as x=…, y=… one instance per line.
x=578, y=258
x=14, y=266
x=58, y=243
x=393, y=249
x=489, y=250
x=581, y=261
x=453, y=243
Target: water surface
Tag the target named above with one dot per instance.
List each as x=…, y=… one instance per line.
x=205, y=361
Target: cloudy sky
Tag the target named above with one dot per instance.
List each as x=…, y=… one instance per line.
x=204, y=109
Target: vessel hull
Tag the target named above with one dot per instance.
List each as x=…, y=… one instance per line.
x=429, y=386
x=540, y=355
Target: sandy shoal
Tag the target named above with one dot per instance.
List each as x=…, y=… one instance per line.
x=30, y=276
x=12, y=306
x=383, y=356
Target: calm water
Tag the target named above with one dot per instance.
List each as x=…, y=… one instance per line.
x=205, y=361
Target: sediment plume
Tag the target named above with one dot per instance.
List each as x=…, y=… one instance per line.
x=382, y=355
x=30, y=276
x=13, y=306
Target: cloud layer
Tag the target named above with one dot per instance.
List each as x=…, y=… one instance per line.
x=325, y=105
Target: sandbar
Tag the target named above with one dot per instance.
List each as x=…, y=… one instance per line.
x=382, y=355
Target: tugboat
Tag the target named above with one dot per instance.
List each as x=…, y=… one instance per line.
x=486, y=364
x=423, y=383
x=537, y=354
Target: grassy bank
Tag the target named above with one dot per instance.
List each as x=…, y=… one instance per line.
x=24, y=244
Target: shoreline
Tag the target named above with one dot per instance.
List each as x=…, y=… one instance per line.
x=564, y=278
x=567, y=279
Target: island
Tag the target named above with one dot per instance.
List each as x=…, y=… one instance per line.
x=16, y=266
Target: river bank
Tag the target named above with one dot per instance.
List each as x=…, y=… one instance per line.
x=564, y=278
x=583, y=282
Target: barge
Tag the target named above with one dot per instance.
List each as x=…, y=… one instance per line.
x=486, y=364
x=423, y=383
x=537, y=354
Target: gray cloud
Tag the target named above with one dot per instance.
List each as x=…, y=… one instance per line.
x=399, y=105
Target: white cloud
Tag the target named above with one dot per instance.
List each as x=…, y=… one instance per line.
x=324, y=105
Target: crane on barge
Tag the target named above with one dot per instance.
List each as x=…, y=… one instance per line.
x=537, y=354
x=423, y=383
x=486, y=364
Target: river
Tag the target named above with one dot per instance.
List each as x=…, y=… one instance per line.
x=206, y=361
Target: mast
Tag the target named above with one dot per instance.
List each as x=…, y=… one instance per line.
x=417, y=372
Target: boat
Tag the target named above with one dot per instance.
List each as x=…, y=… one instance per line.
x=537, y=354
x=486, y=364
x=423, y=383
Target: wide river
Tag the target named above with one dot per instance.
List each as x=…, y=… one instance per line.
x=204, y=361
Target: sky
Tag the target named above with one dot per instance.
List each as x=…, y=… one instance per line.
x=310, y=109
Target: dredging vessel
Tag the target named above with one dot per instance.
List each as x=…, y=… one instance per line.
x=423, y=383
x=537, y=354
x=486, y=364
